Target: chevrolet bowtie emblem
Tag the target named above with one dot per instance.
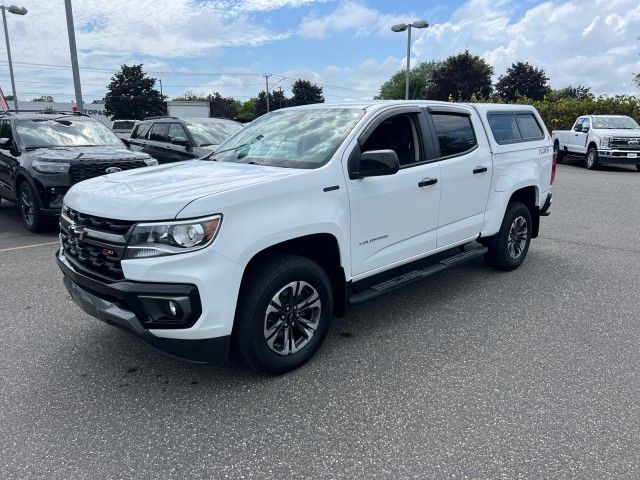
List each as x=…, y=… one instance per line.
x=79, y=232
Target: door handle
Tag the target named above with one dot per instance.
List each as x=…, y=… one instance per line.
x=480, y=169
x=427, y=181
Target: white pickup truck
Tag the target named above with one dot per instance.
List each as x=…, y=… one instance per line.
x=600, y=140
x=303, y=212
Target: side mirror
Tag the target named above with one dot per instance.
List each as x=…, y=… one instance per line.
x=375, y=163
x=5, y=143
x=180, y=141
x=578, y=128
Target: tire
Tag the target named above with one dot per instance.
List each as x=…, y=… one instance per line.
x=559, y=153
x=508, y=248
x=638, y=167
x=30, y=208
x=266, y=313
x=591, y=160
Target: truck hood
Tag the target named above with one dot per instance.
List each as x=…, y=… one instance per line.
x=608, y=132
x=159, y=193
x=79, y=154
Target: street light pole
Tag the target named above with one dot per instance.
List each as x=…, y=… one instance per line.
x=74, y=54
x=401, y=27
x=17, y=11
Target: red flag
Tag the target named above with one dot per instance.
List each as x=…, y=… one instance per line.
x=3, y=102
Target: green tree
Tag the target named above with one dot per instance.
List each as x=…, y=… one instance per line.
x=305, y=93
x=131, y=94
x=247, y=110
x=523, y=80
x=579, y=93
x=44, y=98
x=222, y=107
x=191, y=96
x=459, y=78
x=419, y=77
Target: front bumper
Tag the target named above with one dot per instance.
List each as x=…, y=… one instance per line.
x=618, y=157
x=118, y=304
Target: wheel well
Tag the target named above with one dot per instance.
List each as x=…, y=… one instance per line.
x=592, y=144
x=323, y=249
x=527, y=196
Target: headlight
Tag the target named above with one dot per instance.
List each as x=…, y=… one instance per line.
x=170, y=238
x=605, y=142
x=151, y=162
x=43, y=166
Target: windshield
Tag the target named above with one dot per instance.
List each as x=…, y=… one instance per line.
x=301, y=138
x=623, y=123
x=65, y=132
x=212, y=133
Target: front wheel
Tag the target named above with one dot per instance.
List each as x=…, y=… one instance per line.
x=592, y=158
x=29, y=205
x=508, y=248
x=284, y=312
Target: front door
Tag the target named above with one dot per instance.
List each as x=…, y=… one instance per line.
x=466, y=169
x=8, y=162
x=578, y=137
x=394, y=218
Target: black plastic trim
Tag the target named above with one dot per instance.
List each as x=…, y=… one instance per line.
x=125, y=293
x=331, y=189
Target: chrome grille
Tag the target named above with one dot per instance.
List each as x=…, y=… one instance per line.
x=93, y=244
x=625, y=143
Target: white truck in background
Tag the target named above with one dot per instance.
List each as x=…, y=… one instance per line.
x=600, y=140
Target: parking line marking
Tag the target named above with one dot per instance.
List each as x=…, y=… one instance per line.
x=28, y=246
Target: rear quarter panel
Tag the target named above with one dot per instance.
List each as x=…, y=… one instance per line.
x=515, y=166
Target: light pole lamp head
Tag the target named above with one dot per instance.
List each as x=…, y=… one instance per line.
x=420, y=24
x=17, y=10
x=400, y=27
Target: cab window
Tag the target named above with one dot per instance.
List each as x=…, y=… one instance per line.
x=455, y=133
x=159, y=132
x=5, y=129
x=175, y=130
x=399, y=133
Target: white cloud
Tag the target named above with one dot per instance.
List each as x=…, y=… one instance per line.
x=352, y=16
x=593, y=43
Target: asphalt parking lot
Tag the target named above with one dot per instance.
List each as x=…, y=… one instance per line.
x=470, y=374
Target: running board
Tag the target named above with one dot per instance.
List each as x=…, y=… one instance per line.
x=411, y=277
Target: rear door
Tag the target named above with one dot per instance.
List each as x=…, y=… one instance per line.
x=157, y=142
x=578, y=137
x=466, y=167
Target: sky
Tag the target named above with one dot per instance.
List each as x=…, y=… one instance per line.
x=346, y=46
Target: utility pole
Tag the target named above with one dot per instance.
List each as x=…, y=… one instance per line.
x=160, y=81
x=280, y=88
x=266, y=79
x=74, y=54
x=17, y=11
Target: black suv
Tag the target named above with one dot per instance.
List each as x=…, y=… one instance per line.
x=170, y=139
x=42, y=155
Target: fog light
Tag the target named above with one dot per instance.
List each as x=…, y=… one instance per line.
x=173, y=308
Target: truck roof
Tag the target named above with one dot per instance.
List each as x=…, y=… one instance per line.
x=377, y=104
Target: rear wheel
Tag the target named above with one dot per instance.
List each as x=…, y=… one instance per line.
x=284, y=312
x=508, y=248
x=559, y=153
x=30, y=209
x=592, y=158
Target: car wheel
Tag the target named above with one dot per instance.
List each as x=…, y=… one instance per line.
x=508, y=248
x=559, y=153
x=283, y=315
x=592, y=158
x=29, y=205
